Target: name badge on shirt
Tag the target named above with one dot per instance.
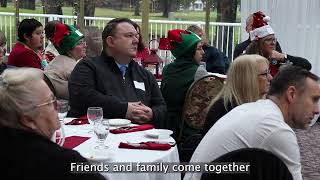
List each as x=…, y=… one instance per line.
x=139, y=85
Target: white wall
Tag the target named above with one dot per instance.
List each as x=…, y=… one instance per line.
x=296, y=24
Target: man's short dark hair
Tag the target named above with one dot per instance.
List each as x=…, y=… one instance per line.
x=110, y=29
x=290, y=76
x=27, y=26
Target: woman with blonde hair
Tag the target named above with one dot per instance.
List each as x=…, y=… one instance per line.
x=248, y=79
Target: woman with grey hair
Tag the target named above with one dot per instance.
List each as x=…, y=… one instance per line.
x=28, y=120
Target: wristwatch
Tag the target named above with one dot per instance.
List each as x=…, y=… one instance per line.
x=274, y=62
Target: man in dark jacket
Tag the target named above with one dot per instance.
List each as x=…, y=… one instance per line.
x=115, y=82
x=240, y=48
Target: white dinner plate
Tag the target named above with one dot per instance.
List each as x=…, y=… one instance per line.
x=98, y=156
x=159, y=133
x=119, y=122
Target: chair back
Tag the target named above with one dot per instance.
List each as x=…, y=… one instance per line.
x=264, y=165
x=49, y=83
x=198, y=98
x=194, y=113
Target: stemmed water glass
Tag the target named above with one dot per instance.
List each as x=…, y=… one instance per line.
x=62, y=108
x=101, y=129
x=94, y=114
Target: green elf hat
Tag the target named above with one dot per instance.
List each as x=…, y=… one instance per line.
x=182, y=41
x=65, y=37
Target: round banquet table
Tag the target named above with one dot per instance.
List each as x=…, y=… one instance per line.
x=120, y=155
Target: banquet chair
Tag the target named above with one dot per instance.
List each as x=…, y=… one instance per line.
x=264, y=165
x=195, y=109
x=49, y=83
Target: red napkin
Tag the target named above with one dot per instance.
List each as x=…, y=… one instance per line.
x=74, y=141
x=79, y=121
x=128, y=129
x=145, y=145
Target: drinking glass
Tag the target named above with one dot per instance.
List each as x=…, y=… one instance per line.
x=59, y=136
x=62, y=108
x=101, y=129
x=94, y=114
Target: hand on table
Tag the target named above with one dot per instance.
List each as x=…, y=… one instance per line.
x=139, y=113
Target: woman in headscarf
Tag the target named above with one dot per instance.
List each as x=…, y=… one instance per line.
x=177, y=77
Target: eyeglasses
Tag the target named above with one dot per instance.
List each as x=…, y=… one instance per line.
x=53, y=101
x=81, y=42
x=265, y=73
x=271, y=40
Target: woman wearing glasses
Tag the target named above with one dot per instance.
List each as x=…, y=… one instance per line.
x=28, y=121
x=263, y=42
x=248, y=79
x=71, y=45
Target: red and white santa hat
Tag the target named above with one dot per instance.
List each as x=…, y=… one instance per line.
x=260, y=27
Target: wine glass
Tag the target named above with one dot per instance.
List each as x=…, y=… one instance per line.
x=62, y=108
x=101, y=129
x=94, y=114
x=59, y=136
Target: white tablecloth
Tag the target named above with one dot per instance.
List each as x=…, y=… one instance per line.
x=127, y=155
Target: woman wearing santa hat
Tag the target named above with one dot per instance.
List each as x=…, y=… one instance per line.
x=71, y=46
x=263, y=42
